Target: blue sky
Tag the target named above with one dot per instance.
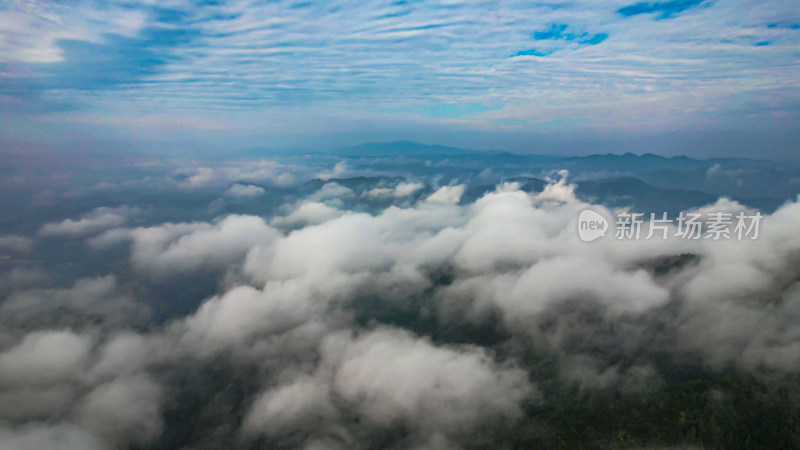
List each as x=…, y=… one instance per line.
x=699, y=77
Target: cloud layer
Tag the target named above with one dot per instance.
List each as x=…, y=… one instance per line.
x=416, y=326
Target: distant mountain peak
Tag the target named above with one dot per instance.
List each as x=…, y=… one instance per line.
x=400, y=148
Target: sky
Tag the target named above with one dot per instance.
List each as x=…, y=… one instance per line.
x=697, y=77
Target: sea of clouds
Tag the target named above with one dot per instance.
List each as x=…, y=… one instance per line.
x=413, y=326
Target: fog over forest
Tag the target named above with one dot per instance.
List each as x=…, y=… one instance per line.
x=393, y=296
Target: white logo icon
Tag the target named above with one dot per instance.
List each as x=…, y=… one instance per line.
x=591, y=225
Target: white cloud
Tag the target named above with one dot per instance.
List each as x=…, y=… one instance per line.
x=723, y=205
x=126, y=354
x=301, y=404
x=309, y=213
x=401, y=190
x=245, y=191
x=260, y=171
x=15, y=243
x=292, y=310
x=49, y=437
x=36, y=403
x=44, y=357
x=392, y=376
x=513, y=256
x=98, y=295
x=123, y=411
x=187, y=247
x=447, y=194
x=629, y=80
x=245, y=312
x=407, y=189
x=30, y=32
x=98, y=220
x=331, y=192
x=558, y=191
x=339, y=169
